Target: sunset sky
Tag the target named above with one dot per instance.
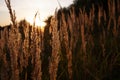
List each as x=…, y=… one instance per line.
x=26, y=9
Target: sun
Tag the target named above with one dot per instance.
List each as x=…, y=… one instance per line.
x=38, y=23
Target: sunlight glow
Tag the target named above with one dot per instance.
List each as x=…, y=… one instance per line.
x=38, y=22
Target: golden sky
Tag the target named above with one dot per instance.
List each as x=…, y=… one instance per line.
x=26, y=9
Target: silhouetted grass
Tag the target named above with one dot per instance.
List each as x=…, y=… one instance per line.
x=81, y=42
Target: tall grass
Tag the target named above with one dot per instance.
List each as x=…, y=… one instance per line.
x=80, y=42
x=21, y=50
x=54, y=60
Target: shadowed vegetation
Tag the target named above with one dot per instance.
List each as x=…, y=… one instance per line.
x=81, y=42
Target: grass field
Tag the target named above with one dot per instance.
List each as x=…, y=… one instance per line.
x=81, y=42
